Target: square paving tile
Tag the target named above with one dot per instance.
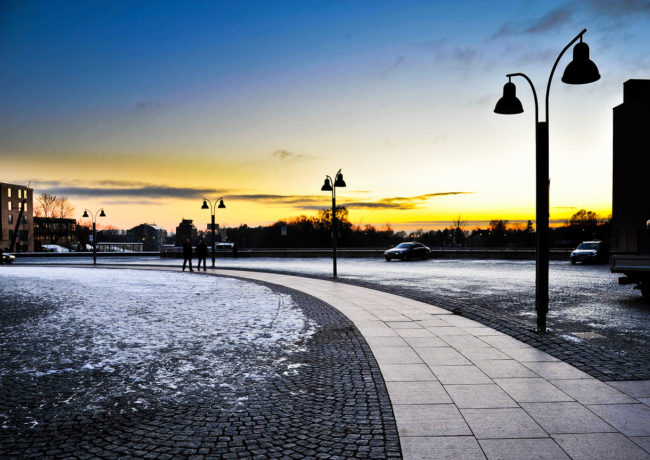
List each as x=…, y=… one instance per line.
x=417, y=393
x=599, y=446
x=461, y=321
x=430, y=341
x=643, y=442
x=484, y=354
x=527, y=354
x=469, y=375
x=386, y=342
x=390, y=315
x=407, y=373
x=592, y=391
x=416, y=315
x=482, y=396
x=566, y=417
x=531, y=390
x=396, y=355
x=445, y=331
x=556, y=370
x=517, y=449
x=503, y=342
x=403, y=325
x=635, y=389
x=462, y=342
x=481, y=331
x=376, y=330
x=441, y=448
x=629, y=419
x=502, y=423
x=430, y=420
x=414, y=332
x=433, y=322
x=501, y=368
x=442, y=356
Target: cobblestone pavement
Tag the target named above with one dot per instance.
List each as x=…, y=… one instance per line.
x=335, y=405
x=597, y=361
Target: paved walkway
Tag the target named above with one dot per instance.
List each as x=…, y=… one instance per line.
x=461, y=390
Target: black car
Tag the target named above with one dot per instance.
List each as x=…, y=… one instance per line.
x=7, y=258
x=405, y=251
x=589, y=252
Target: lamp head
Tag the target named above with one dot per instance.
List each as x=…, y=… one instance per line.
x=581, y=70
x=85, y=214
x=102, y=214
x=509, y=104
x=205, y=205
x=339, y=182
x=327, y=187
x=221, y=205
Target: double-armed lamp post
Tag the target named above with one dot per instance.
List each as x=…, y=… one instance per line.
x=93, y=217
x=579, y=71
x=327, y=187
x=212, y=209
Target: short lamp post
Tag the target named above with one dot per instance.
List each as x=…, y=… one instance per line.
x=98, y=213
x=327, y=187
x=212, y=209
x=579, y=71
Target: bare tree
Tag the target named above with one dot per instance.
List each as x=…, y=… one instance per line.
x=53, y=206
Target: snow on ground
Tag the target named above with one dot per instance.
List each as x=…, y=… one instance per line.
x=154, y=334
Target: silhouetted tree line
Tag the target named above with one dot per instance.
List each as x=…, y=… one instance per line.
x=315, y=232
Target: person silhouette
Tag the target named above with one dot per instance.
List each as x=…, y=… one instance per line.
x=202, y=254
x=187, y=254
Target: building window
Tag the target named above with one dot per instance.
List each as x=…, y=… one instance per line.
x=24, y=219
x=24, y=206
x=9, y=205
x=9, y=192
x=11, y=219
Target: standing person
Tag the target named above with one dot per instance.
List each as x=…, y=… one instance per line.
x=201, y=253
x=187, y=253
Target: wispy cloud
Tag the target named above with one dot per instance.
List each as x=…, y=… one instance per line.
x=127, y=189
x=147, y=107
x=285, y=155
x=548, y=22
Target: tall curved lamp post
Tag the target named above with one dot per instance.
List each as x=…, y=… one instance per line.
x=93, y=217
x=579, y=71
x=327, y=187
x=212, y=208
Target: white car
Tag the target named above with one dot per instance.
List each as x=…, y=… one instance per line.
x=7, y=258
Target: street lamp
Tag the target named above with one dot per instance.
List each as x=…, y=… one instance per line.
x=579, y=71
x=212, y=208
x=327, y=186
x=98, y=213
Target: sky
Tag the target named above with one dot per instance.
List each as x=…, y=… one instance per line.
x=144, y=108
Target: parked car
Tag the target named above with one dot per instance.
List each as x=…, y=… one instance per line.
x=589, y=252
x=404, y=251
x=7, y=258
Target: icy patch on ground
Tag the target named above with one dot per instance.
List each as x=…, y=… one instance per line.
x=155, y=335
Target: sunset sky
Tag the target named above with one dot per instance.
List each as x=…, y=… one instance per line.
x=143, y=108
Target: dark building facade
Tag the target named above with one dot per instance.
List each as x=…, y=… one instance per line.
x=631, y=170
x=54, y=230
x=184, y=231
x=151, y=236
x=12, y=198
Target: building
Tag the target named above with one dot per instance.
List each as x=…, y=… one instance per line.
x=184, y=231
x=55, y=230
x=151, y=236
x=12, y=198
x=630, y=186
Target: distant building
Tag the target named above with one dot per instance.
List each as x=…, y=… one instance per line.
x=184, y=231
x=151, y=236
x=54, y=230
x=12, y=197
